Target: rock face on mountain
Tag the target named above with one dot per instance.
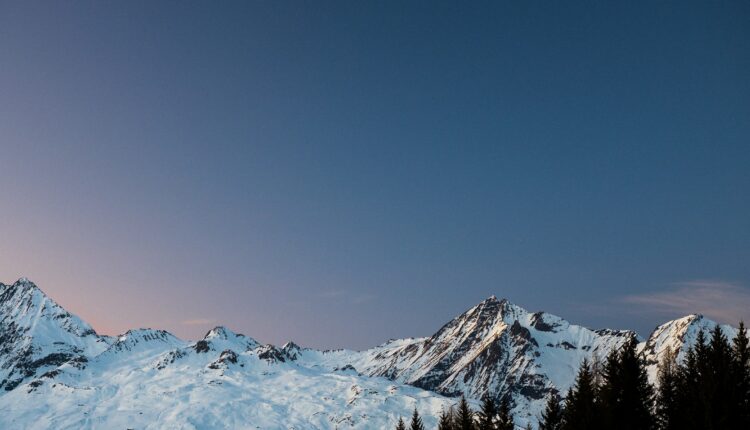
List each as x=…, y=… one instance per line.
x=494, y=348
x=56, y=372
x=37, y=335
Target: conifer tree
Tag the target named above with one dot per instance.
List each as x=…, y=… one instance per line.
x=697, y=387
x=447, y=418
x=608, y=392
x=688, y=398
x=701, y=356
x=464, y=416
x=597, y=369
x=626, y=396
x=668, y=414
x=488, y=414
x=741, y=374
x=416, y=421
x=580, y=405
x=718, y=384
x=505, y=418
x=552, y=416
x=400, y=425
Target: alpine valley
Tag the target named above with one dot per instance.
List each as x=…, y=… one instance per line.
x=57, y=372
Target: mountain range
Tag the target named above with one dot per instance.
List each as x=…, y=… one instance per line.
x=57, y=372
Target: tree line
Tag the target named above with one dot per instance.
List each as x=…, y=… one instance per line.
x=708, y=390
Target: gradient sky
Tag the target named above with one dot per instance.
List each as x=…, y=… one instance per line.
x=338, y=174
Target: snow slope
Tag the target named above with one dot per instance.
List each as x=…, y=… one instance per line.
x=149, y=378
x=494, y=348
x=37, y=335
x=678, y=336
x=56, y=372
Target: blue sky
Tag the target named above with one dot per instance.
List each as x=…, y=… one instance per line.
x=342, y=173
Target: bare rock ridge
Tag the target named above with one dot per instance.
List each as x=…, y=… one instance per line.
x=49, y=356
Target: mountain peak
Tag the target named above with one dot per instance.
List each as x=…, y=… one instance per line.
x=224, y=338
x=490, y=302
x=493, y=307
x=140, y=335
x=493, y=300
x=145, y=334
x=222, y=332
x=23, y=283
x=38, y=333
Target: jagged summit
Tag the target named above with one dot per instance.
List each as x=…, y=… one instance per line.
x=145, y=335
x=20, y=281
x=491, y=299
x=222, y=333
x=37, y=334
x=503, y=307
x=291, y=350
x=142, y=340
x=221, y=338
x=21, y=286
x=290, y=345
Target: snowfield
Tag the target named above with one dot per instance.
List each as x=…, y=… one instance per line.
x=56, y=372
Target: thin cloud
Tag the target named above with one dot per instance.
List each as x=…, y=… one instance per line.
x=199, y=321
x=723, y=301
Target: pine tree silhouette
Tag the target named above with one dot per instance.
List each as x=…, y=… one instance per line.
x=580, y=403
x=400, y=425
x=505, y=419
x=718, y=381
x=626, y=395
x=689, y=395
x=488, y=414
x=416, y=421
x=741, y=374
x=552, y=417
x=667, y=399
x=464, y=416
x=447, y=419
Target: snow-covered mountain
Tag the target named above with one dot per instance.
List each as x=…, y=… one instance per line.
x=494, y=348
x=37, y=335
x=678, y=336
x=56, y=372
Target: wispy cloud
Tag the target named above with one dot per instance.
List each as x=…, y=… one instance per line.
x=199, y=321
x=723, y=301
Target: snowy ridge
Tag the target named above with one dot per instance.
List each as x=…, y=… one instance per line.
x=56, y=372
x=678, y=336
x=68, y=377
x=37, y=334
x=494, y=348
